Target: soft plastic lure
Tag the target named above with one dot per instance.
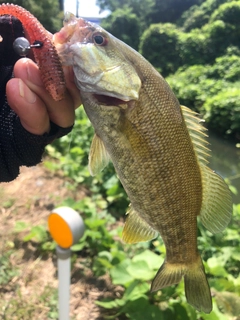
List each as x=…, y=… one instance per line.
x=45, y=55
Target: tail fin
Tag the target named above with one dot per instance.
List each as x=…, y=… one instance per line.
x=197, y=290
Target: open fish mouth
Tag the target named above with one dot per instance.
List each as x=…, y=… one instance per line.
x=110, y=101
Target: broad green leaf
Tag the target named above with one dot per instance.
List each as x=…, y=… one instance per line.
x=141, y=309
x=181, y=311
x=111, y=303
x=78, y=246
x=94, y=223
x=136, y=290
x=191, y=312
x=140, y=270
x=111, y=182
x=117, y=256
x=153, y=260
x=215, y=265
x=120, y=274
x=214, y=315
x=105, y=263
x=222, y=284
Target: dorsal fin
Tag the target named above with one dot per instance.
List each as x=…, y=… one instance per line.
x=197, y=134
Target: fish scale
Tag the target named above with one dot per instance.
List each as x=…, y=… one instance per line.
x=158, y=149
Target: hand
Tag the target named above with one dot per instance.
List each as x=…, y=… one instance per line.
x=29, y=99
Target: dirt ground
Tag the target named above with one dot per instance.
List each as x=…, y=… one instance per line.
x=30, y=292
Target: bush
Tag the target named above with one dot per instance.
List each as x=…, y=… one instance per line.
x=223, y=112
x=192, y=86
x=228, y=12
x=159, y=45
x=213, y=91
x=124, y=25
x=226, y=67
x=193, y=48
x=194, y=18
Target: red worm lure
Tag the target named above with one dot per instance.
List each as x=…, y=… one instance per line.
x=46, y=57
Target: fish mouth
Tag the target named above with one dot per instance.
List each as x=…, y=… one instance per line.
x=109, y=100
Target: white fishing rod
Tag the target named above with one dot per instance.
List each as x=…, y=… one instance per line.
x=66, y=228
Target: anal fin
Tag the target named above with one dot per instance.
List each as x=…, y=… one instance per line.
x=136, y=229
x=216, y=211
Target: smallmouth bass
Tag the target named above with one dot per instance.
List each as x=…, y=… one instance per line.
x=158, y=148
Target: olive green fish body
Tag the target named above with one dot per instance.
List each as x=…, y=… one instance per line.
x=153, y=167
x=157, y=147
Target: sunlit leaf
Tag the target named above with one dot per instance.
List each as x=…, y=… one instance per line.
x=110, y=304
x=140, y=270
x=214, y=315
x=153, y=260
x=141, y=309
x=119, y=273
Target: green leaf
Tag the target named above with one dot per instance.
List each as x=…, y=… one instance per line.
x=214, y=315
x=215, y=266
x=153, y=260
x=120, y=274
x=181, y=312
x=140, y=270
x=20, y=226
x=78, y=246
x=110, y=304
x=141, y=309
x=117, y=256
x=38, y=233
x=236, y=255
x=136, y=290
x=222, y=284
x=94, y=223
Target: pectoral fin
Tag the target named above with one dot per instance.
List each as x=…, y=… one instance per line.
x=216, y=208
x=98, y=156
x=136, y=229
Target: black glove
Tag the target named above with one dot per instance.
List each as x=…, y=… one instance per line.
x=17, y=146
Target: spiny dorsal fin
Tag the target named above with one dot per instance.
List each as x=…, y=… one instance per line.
x=136, y=229
x=216, y=211
x=197, y=134
x=98, y=156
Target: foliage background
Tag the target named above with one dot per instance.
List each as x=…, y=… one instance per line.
x=47, y=11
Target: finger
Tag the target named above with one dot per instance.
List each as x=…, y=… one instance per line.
x=60, y=112
x=28, y=106
x=71, y=86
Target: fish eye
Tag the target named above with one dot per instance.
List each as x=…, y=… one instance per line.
x=99, y=39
